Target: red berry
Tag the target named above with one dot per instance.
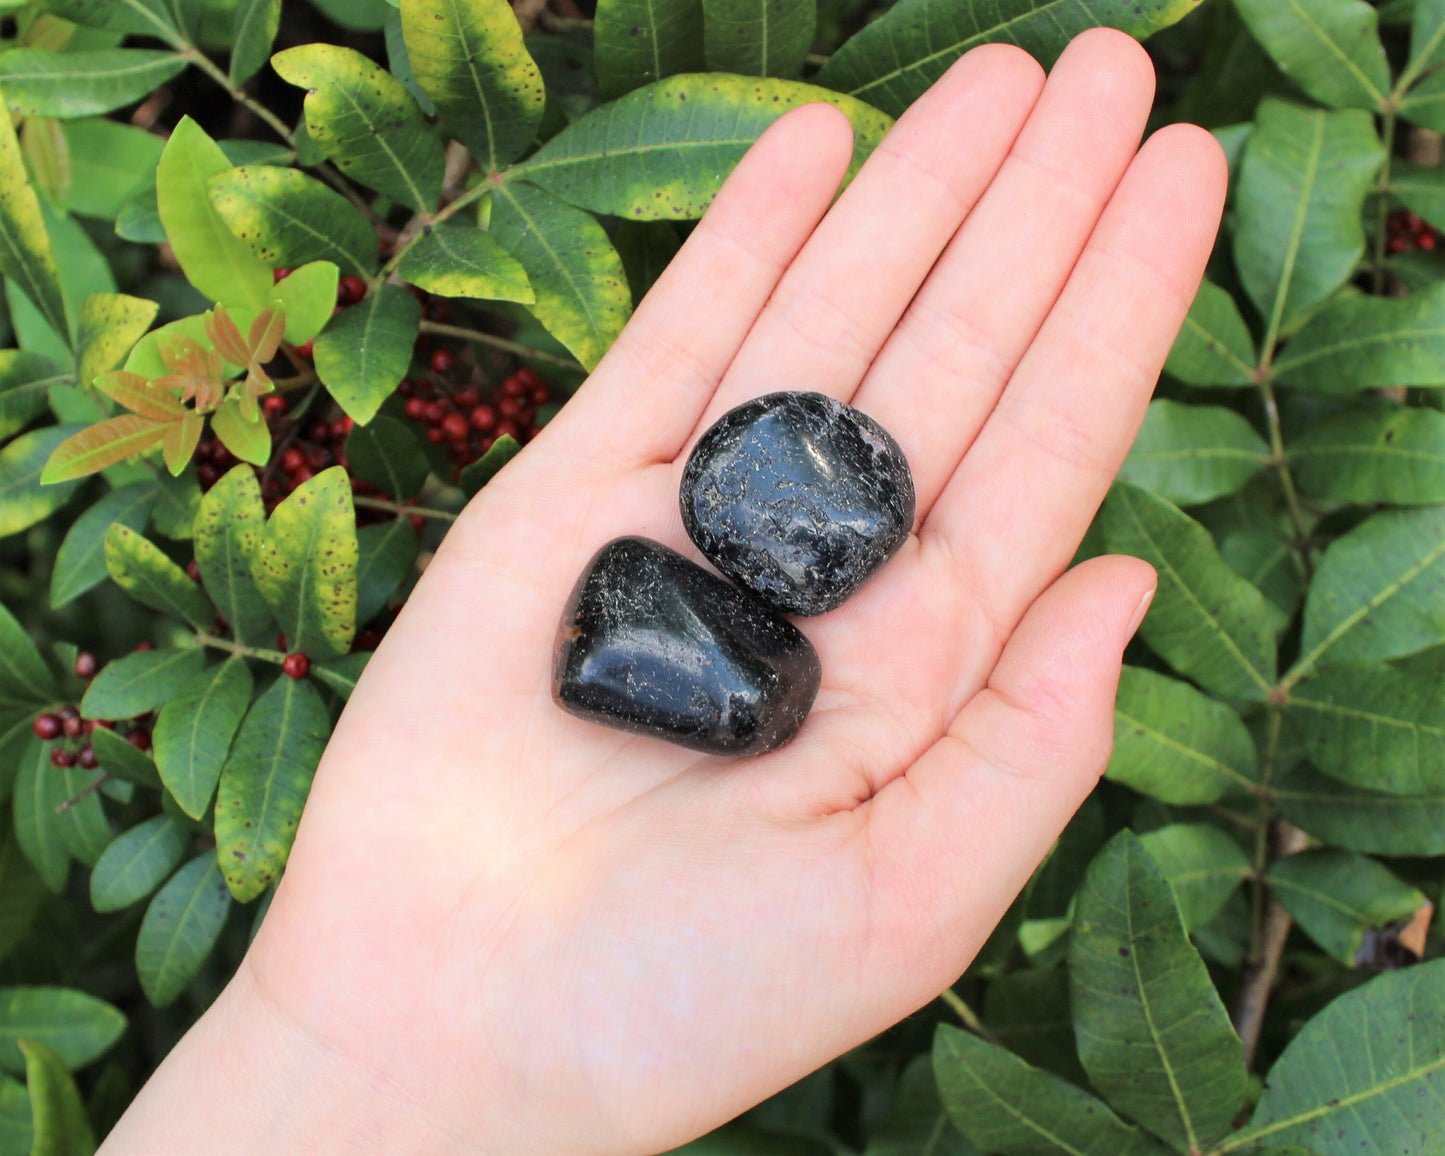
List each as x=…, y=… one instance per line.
x=484, y=417
x=304, y=474
x=278, y=275
x=350, y=290
x=319, y=431
x=292, y=460
x=1426, y=241
x=368, y=639
x=454, y=427
x=1397, y=245
x=509, y=407
x=47, y=727
x=541, y=395
x=460, y=453
x=73, y=727
x=222, y=457
x=295, y=666
x=317, y=457
x=438, y=310
x=514, y=386
x=193, y=570
x=507, y=428
x=140, y=739
x=407, y=387
x=530, y=377
x=104, y=723
x=274, y=405
x=418, y=523
x=485, y=443
x=88, y=727
x=435, y=435
x=416, y=409
x=60, y=757
x=466, y=397
x=68, y=712
x=87, y=758
x=443, y=361
x=435, y=411
x=308, y=351
x=207, y=475
x=140, y=646
x=280, y=641
x=340, y=428
x=86, y=665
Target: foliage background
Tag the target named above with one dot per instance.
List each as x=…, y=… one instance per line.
x=1229, y=950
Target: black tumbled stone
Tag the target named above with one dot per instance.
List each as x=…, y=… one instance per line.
x=654, y=644
x=798, y=498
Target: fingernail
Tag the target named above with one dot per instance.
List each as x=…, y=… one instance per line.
x=1141, y=610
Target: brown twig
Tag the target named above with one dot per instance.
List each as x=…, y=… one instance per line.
x=89, y=789
x=1257, y=982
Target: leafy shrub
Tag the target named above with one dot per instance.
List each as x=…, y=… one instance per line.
x=372, y=301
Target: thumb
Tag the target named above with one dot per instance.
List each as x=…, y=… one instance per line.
x=975, y=815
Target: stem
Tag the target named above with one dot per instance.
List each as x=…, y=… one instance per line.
x=232, y=647
x=398, y=508
x=429, y=221
x=276, y=125
x=965, y=1013
x=1382, y=193
x=89, y=789
x=495, y=342
x=1281, y=467
x=1259, y=975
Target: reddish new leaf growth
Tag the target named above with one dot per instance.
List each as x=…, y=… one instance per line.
x=197, y=372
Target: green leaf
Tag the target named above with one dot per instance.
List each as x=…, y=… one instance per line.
x=26, y=255
x=468, y=57
x=180, y=928
x=1153, y=1034
x=894, y=59
x=463, y=261
x=1192, y=454
x=249, y=440
x=25, y=380
x=1337, y=896
x=140, y=682
x=178, y=500
x=341, y=675
x=102, y=445
x=1424, y=101
x=257, y=22
x=1373, y=453
x=1316, y=1096
x=58, y=1121
x=38, y=791
x=1364, y=342
x=1214, y=347
x=1256, y=540
x=1330, y=48
x=1203, y=865
x=305, y=565
x=578, y=279
x=287, y=218
x=228, y=533
x=308, y=298
x=122, y=761
x=636, y=42
x=80, y=562
x=21, y=894
x=385, y=454
x=916, y=1124
x=23, y=500
x=365, y=352
x=366, y=122
x=194, y=731
x=646, y=249
x=142, y=17
x=47, y=152
x=387, y=555
x=1419, y=189
x=78, y=1027
x=1206, y=621
x=758, y=37
x=265, y=782
x=17, y=1131
x=24, y=678
x=1375, y=725
x=1175, y=744
x=83, y=826
x=1008, y=1108
x=75, y=84
x=1027, y=1011
x=216, y=261
x=1361, y=820
x=1376, y=591
x=1299, y=202
x=486, y=467
x=359, y=15
x=147, y=575
x=663, y=152
x=110, y=325
x=137, y=863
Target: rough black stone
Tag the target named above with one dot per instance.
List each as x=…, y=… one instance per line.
x=654, y=644
x=798, y=498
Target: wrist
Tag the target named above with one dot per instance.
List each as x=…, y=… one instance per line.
x=247, y=1079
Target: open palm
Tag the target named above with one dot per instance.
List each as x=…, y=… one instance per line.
x=523, y=932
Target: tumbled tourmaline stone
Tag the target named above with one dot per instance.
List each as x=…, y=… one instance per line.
x=654, y=644
x=798, y=498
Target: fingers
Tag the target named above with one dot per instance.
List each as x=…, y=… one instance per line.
x=956, y=838
x=940, y=374
x=1017, y=506
x=854, y=278
x=647, y=394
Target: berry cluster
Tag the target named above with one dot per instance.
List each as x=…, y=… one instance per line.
x=70, y=731
x=1406, y=233
x=466, y=420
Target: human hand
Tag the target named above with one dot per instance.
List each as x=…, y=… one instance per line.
x=506, y=930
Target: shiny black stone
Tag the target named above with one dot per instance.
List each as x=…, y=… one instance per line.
x=798, y=498
x=654, y=644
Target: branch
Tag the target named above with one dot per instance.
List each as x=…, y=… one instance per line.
x=1257, y=982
